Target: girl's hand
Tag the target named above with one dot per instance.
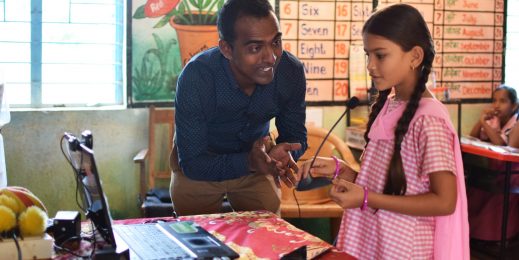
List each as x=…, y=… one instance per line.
x=347, y=194
x=323, y=167
x=487, y=114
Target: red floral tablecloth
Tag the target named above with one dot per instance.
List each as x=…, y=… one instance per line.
x=252, y=234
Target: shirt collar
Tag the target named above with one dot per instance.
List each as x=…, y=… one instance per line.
x=228, y=72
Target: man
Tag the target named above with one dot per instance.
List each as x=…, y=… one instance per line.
x=226, y=97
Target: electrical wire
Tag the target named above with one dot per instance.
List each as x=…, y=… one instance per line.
x=17, y=246
x=297, y=203
x=94, y=243
x=79, y=185
x=77, y=172
x=64, y=249
x=350, y=104
x=68, y=251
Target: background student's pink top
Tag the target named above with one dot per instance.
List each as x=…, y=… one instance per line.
x=496, y=125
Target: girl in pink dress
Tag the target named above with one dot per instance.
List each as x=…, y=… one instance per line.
x=485, y=208
x=408, y=199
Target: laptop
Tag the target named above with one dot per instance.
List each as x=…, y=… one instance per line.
x=163, y=240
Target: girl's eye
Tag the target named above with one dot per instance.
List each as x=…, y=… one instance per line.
x=381, y=56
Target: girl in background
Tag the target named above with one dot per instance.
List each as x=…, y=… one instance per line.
x=408, y=200
x=497, y=120
x=497, y=125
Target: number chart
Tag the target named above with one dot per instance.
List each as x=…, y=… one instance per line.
x=326, y=36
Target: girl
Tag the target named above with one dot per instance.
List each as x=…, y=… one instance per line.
x=497, y=124
x=498, y=119
x=408, y=200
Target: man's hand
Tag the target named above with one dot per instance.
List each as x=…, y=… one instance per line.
x=285, y=164
x=259, y=161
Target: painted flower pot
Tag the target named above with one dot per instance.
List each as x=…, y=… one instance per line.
x=193, y=39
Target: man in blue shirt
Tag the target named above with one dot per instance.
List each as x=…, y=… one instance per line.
x=226, y=97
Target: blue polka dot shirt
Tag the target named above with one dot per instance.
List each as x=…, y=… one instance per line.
x=216, y=123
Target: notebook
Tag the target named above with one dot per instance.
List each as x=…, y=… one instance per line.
x=166, y=240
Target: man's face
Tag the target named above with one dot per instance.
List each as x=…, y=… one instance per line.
x=256, y=50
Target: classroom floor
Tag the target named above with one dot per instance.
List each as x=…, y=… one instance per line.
x=480, y=250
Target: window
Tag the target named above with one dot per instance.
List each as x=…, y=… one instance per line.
x=512, y=44
x=65, y=53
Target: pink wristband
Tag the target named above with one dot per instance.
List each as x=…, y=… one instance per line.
x=336, y=174
x=365, y=202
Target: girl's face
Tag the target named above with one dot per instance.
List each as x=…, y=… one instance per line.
x=389, y=66
x=503, y=107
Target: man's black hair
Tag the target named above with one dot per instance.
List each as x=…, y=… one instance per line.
x=234, y=9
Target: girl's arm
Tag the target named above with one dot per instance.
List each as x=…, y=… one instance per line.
x=476, y=130
x=439, y=201
x=346, y=172
x=493, y=134
x=513, y=137
x=325, y=167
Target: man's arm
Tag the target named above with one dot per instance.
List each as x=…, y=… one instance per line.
x=290, y=123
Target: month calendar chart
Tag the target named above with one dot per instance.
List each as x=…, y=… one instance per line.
x=468, y=37
x=326, y=36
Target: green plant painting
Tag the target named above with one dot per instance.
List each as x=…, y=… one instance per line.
x=155, y=49
x=155, y=61
x=155, y=78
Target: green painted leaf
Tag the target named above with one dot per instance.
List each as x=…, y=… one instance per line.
x=139, y=13
x=163, y=21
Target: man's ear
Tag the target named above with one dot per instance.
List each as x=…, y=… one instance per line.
x=225, y=49
x=417, y=55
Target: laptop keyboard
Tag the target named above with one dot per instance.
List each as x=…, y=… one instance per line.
x=148, y=242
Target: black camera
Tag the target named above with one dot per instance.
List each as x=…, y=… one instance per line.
x=66, y=227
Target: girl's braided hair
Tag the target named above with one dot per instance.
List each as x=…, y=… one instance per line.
x=405, y=26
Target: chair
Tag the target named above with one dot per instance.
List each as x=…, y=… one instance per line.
x=316, y=203
x=153, y=164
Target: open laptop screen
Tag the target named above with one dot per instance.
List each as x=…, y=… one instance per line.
x=89, y=186
x=185, y=236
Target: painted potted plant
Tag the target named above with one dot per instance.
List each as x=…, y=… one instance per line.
x=193, y=20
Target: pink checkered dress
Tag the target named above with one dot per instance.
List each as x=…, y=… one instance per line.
x=426, y=148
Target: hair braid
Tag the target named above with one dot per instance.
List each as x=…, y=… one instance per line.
x=396, y=183
x=375, y=109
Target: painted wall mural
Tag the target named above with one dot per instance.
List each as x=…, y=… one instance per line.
x=165, y=34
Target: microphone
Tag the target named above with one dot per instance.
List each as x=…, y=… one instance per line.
x=310, y=182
